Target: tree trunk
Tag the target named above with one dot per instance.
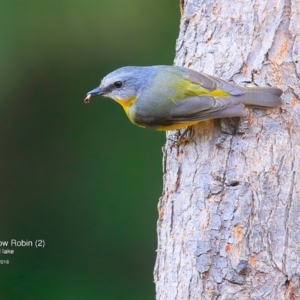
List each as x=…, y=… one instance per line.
x=229, y=216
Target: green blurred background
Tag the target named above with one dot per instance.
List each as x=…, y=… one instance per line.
x=81, y=177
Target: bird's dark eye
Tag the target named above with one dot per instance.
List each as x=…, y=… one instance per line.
x=118, y=84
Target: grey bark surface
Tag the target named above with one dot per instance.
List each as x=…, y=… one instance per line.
x=229, y=216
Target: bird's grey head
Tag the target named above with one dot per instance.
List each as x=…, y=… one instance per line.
x=124, y=84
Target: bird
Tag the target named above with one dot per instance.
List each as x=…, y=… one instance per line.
x=171, y=97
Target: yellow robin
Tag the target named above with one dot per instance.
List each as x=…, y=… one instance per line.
x=169, y=97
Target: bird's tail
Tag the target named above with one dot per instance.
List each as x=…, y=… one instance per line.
x=262, y=97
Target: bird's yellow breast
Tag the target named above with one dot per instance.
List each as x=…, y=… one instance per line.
x=126, y=105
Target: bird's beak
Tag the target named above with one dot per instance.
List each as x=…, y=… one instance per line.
x=93, y=93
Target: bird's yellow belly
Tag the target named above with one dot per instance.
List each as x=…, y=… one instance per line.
x=127, y=104
x=176, y=126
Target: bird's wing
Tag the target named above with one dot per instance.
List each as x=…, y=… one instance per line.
x=206, y=107
x=211, y=83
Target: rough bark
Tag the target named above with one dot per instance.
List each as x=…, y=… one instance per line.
x=229, y=216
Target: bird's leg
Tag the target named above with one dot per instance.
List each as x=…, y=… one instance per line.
x=183, y=138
